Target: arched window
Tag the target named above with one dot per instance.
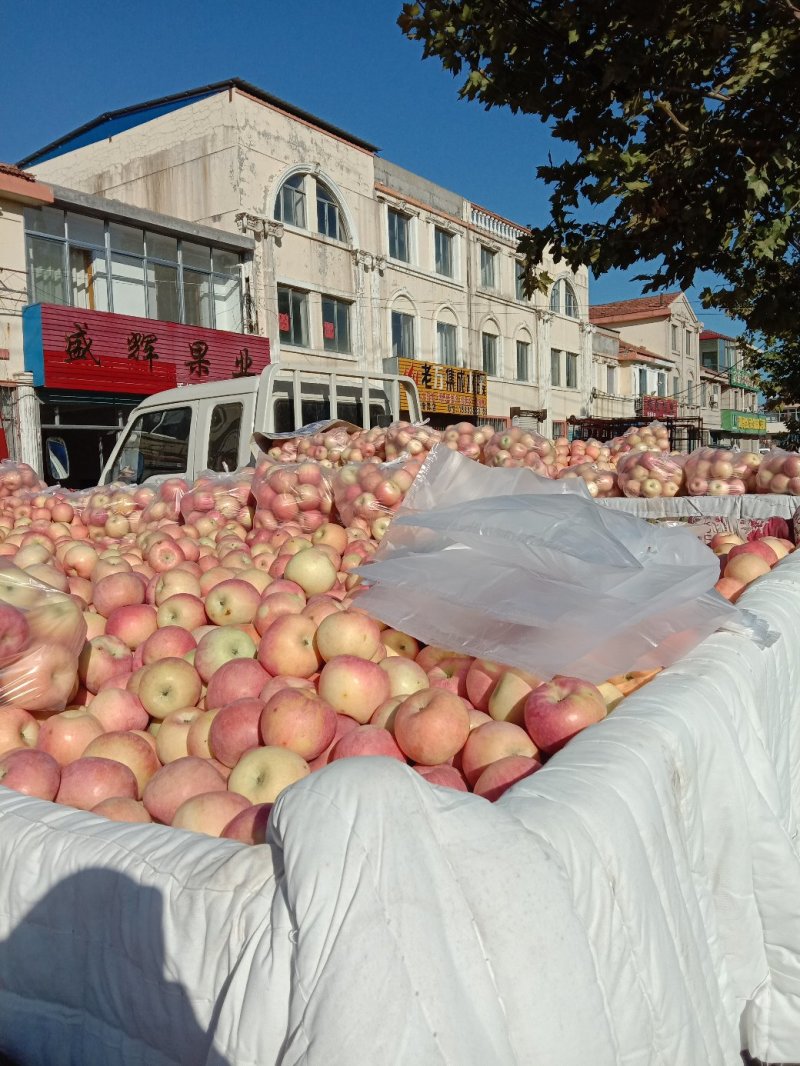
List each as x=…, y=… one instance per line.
x=290, y=206
x=403, y=320
x=329, y=221
x=447, y=337
x=490, y=349
x=563, y=299
x=524, y=349
x=291, y=209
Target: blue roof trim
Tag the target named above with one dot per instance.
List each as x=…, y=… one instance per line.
x=115, y=124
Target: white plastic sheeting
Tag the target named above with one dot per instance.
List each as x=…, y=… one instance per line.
x=635, y=902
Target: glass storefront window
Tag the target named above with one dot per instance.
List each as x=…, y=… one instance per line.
x=83, y=229
x=196, y=256
x=88, y=279
x=151, y=275
x=196, y=298
x=227, y=303
x=163, y=300
x=127, y=285
x=126, y=239
x=49, y=220
x=46, y=271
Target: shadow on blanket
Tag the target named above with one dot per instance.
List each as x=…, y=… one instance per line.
x=85, y=977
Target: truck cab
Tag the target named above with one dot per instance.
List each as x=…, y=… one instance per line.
x=181, y=432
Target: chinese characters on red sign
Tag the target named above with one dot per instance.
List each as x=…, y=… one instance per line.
x=658, y=407
x=96, y=351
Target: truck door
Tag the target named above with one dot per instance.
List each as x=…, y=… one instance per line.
x=225, y=426
x=158, y=443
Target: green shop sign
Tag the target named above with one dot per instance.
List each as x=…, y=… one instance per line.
x=743, y=422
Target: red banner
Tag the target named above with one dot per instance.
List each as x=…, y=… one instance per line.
x=658, y=407
x=283, y=322
x=328, y=331
x=94, y=351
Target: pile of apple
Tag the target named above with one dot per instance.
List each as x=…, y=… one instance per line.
x=18, y=477
x=517, y=447
x=368, y=494
x=779, y=473
x=467, y=439
x=186, y=674
x=649, y=474
x=720, y=472
x=406, y=438
x=577, y=452
x=651, y=438
x=226, y=496
x=743, y=561
x=601, y=480
x=298, y=493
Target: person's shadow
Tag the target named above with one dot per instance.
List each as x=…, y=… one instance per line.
x=85, y=981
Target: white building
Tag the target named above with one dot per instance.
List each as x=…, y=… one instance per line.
x=357, y=262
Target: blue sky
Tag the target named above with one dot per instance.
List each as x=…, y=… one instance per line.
x=66, y=63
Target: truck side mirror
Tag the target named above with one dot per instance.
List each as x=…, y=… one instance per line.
x=57, y=458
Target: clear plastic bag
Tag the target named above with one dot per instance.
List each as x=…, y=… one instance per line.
x=369, y=493
x=320, y=441
x=165, y=506
x=720, y=472
x=779, y=473
x=227, y=495
x=18, y=477
x=650, y=474
x=543, y=580
x=517, y=447
x=410, y=438
x=600, y=478
x=42, y=632
x=291, y=492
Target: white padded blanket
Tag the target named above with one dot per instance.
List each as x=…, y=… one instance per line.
x=636, y=902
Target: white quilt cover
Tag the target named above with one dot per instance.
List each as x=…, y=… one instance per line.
x=635, y=902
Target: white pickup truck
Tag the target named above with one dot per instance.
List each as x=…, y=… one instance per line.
x=183, y=431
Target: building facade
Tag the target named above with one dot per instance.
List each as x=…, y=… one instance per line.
x=739, y=419
x=357, y=262
x=102, y=304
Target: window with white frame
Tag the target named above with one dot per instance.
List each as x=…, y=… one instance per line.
x=399, y=235
x=402, y=335
x=519, y=280
x=555, y=367
x=572, y=370
x=489, y=346
x=523, y=361
x=290, y=204
x=293, y=316
x=688, y=342
x=642, y=381
x=676, y=388
x=488, y=268
x=611, y=380
x=100, y=265
x=443, y=252
x=690, y=392
x=563, y=299
x=446, y=343
x=335, y=325
x=675, y=338
x=661, y=385
x=329, y=219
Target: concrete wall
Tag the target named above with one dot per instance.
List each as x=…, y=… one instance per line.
x=13, y=287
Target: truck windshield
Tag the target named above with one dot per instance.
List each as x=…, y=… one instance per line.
x=157, y=443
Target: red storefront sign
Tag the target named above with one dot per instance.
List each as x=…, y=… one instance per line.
x=94, y=351
x=658, y=407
